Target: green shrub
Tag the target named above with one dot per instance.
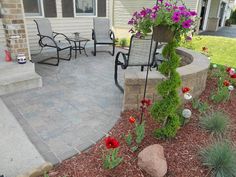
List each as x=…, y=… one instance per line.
x=123, y=42
x=215, y=122
x=220, y=157
x=166, y=109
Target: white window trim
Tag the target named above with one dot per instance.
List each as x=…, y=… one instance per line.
x=76, y=15
x=36, y=16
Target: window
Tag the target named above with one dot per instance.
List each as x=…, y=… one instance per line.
x=33, y=7
x=85, y=7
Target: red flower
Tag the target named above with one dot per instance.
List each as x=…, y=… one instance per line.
x=233, y=76
x=111, y=143
x=226, y=83
x=185, y=89
x=132, y=119
x=228, y=69
x=146, y=102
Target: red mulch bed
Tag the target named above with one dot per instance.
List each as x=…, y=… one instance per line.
x=181, y=152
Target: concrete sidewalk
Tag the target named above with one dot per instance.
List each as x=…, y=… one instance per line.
x=17, y=154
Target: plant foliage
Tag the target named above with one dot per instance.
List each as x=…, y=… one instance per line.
x=215, y=122
x=165, y=110
x=220, y=157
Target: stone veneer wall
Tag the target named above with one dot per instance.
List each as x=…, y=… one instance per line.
x=14, y=26
x=193, y=75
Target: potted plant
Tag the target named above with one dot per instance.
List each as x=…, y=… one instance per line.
x=166, y=20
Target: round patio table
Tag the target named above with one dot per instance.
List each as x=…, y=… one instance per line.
x=79, y=44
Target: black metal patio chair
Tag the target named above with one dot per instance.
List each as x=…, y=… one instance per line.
x=137, y=55
x=47, y=38
x=102, y=34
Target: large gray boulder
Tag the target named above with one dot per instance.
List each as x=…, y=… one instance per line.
x=152, y=160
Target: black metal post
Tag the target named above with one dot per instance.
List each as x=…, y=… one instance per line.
x=147, y=73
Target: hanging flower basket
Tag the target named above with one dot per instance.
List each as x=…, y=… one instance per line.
x=162, y=33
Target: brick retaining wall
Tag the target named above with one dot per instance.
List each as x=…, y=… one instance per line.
x=193, y=75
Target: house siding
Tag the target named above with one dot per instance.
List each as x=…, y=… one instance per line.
x=65, y=25
x=124, y=9
x=2, y=36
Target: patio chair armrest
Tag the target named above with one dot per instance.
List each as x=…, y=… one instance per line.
x=93, y=35
x=112, y=35
x=57, y=34
x=48, y=37
x=124, y=63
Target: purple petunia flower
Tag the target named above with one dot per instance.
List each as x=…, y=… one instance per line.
x=188, y=38
x=153, y=16
x=193, y=13
x=187, y=23
x=176, y=18
x=138, y=35
x=175, y=7
x=177, y=14
x=143, y=13
x=131, y=22
x=155, y=8
x=148, y=11
x=167, y=4
x=185, y=13
x=181, y=8
x=161, y=1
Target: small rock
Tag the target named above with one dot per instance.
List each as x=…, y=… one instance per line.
x=152, y=160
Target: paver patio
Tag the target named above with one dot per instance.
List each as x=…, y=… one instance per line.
x=77, y=105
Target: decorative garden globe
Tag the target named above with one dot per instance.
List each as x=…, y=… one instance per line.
x=214, y=65
x=187, y=113
x=21, y=58
x=187, y=96
x=231, y=88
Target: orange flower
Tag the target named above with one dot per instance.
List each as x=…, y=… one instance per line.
x=132, y=119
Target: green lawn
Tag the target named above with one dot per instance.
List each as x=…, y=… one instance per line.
x=221, y=50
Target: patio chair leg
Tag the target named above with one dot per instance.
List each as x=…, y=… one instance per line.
x=58, y=58
x=142, y=68
x=94, y=52
x=116, y=76
x=113, y=49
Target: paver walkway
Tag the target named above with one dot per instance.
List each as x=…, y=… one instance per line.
x=225, y=32
x=78, y=104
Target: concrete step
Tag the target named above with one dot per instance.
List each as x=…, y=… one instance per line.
x=15, y=77
x=13, y=67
